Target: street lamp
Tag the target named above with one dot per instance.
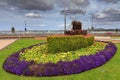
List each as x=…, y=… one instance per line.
x=25, y=26
x=65, y=20
x=65, y=13
x=92, y=17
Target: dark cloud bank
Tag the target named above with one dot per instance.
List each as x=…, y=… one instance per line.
x=73, y=7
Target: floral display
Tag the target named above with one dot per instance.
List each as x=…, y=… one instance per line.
x=86, y=62
x=40, y=55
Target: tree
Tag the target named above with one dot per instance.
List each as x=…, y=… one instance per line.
x=116, y=30
x=13, y=30
x=25, y=29
x=92, y=28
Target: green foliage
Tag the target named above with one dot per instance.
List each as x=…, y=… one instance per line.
x=39, y=54
x=68, y=43
x=13, y=30
x=116, y=30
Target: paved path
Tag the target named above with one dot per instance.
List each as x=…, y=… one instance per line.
x=102, y=38
x=107, y=38
x=5, y=42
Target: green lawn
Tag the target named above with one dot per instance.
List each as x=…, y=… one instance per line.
x=109, y=71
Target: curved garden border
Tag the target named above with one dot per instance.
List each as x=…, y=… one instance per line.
x=84, y=63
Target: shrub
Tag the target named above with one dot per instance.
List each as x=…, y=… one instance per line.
x=13, y=30
x=13, y=65
x=68, y=43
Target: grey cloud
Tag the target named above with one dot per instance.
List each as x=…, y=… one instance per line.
x=81, y=3
x=30, y=4
x=74, y=6
x=112, y=11
x=110, y=1
x=77, y=11
x=68, y=3
x=111, y=15
x=73, y=11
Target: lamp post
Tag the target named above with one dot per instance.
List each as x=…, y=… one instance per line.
x=64, y=21
x=92, y=17
x=65, y=14
x=25, y=27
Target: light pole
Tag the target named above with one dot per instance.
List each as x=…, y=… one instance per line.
x=65, y=21
x=92, y=17
x=25, y=27
x=65, y=14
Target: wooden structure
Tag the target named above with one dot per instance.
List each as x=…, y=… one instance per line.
x=76, y=29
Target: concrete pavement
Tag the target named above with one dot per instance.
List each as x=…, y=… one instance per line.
x=5, y=42
x=103, y=38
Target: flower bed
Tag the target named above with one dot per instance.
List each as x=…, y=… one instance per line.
x=84, y=63
x=40, y=55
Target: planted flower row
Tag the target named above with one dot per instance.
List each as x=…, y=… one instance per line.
x=40, y=54
x=84, y=63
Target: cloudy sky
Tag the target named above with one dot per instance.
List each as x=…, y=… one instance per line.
x=49, y=14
